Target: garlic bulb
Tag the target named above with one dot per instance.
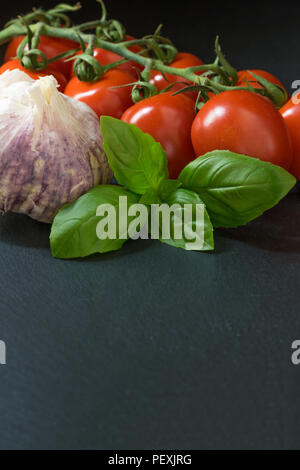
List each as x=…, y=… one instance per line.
x=50, y=147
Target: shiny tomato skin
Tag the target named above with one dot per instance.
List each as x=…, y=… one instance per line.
x=101, y=96
x=291, y=115
x=105, y=57
x=245, y=123
x=169, y=120
x=245, y=75
x=182, y=60
x=11, y=50
x=15, y=64
x=51, y=48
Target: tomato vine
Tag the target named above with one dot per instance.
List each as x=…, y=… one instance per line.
x=157, y=52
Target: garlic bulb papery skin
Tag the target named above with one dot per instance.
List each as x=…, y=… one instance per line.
x=51, y=148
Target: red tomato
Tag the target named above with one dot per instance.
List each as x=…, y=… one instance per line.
x=244, y=75
x=291, y=114
x=245, y=123
x=15, y=64
x=107, y=57
x=51, y=48
x=101, y=96
x=183, y=59
x=168, y=119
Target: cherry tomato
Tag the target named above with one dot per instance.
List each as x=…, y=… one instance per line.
x=245, y=123
x=51, y=48
x=168, y=119
x=15, y=64
x=291, y=115
x=105, y=57
x=245, y=75
x=101, y=96
x=183, y=59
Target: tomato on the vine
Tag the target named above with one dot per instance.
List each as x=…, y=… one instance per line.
x=291, y=115
x=51, y=48
x=35, y=74
x=245, y=123
x=105, y=57
x=182, y=60
x=245, y=76
x=168, y=118
x=106, y=96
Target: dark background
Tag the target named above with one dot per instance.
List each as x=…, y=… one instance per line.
x=154, y=347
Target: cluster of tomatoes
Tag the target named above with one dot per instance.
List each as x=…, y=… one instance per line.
x=237, y=120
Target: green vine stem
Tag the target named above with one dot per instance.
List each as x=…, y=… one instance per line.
x=121, y=48
x=56, y=16
x=205, y=81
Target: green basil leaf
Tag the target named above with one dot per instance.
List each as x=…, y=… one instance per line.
x=74, y=230
x=197, y=234
x=139, y=162
x=167, y=187
x=150, y=197
x=157, y=196
x=235, y=188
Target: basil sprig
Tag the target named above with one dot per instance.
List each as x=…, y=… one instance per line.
x=232, y=189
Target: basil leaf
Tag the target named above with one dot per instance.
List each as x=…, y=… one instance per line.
x=74, y=230
x=195, y=234
x=167, y=187
x=236, y=188
x=150, y=197
x=157, y=196
x=139, y=162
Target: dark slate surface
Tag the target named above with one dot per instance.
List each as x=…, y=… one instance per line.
x=153, y=347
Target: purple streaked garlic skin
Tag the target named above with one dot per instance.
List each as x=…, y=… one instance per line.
x=51, y=148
